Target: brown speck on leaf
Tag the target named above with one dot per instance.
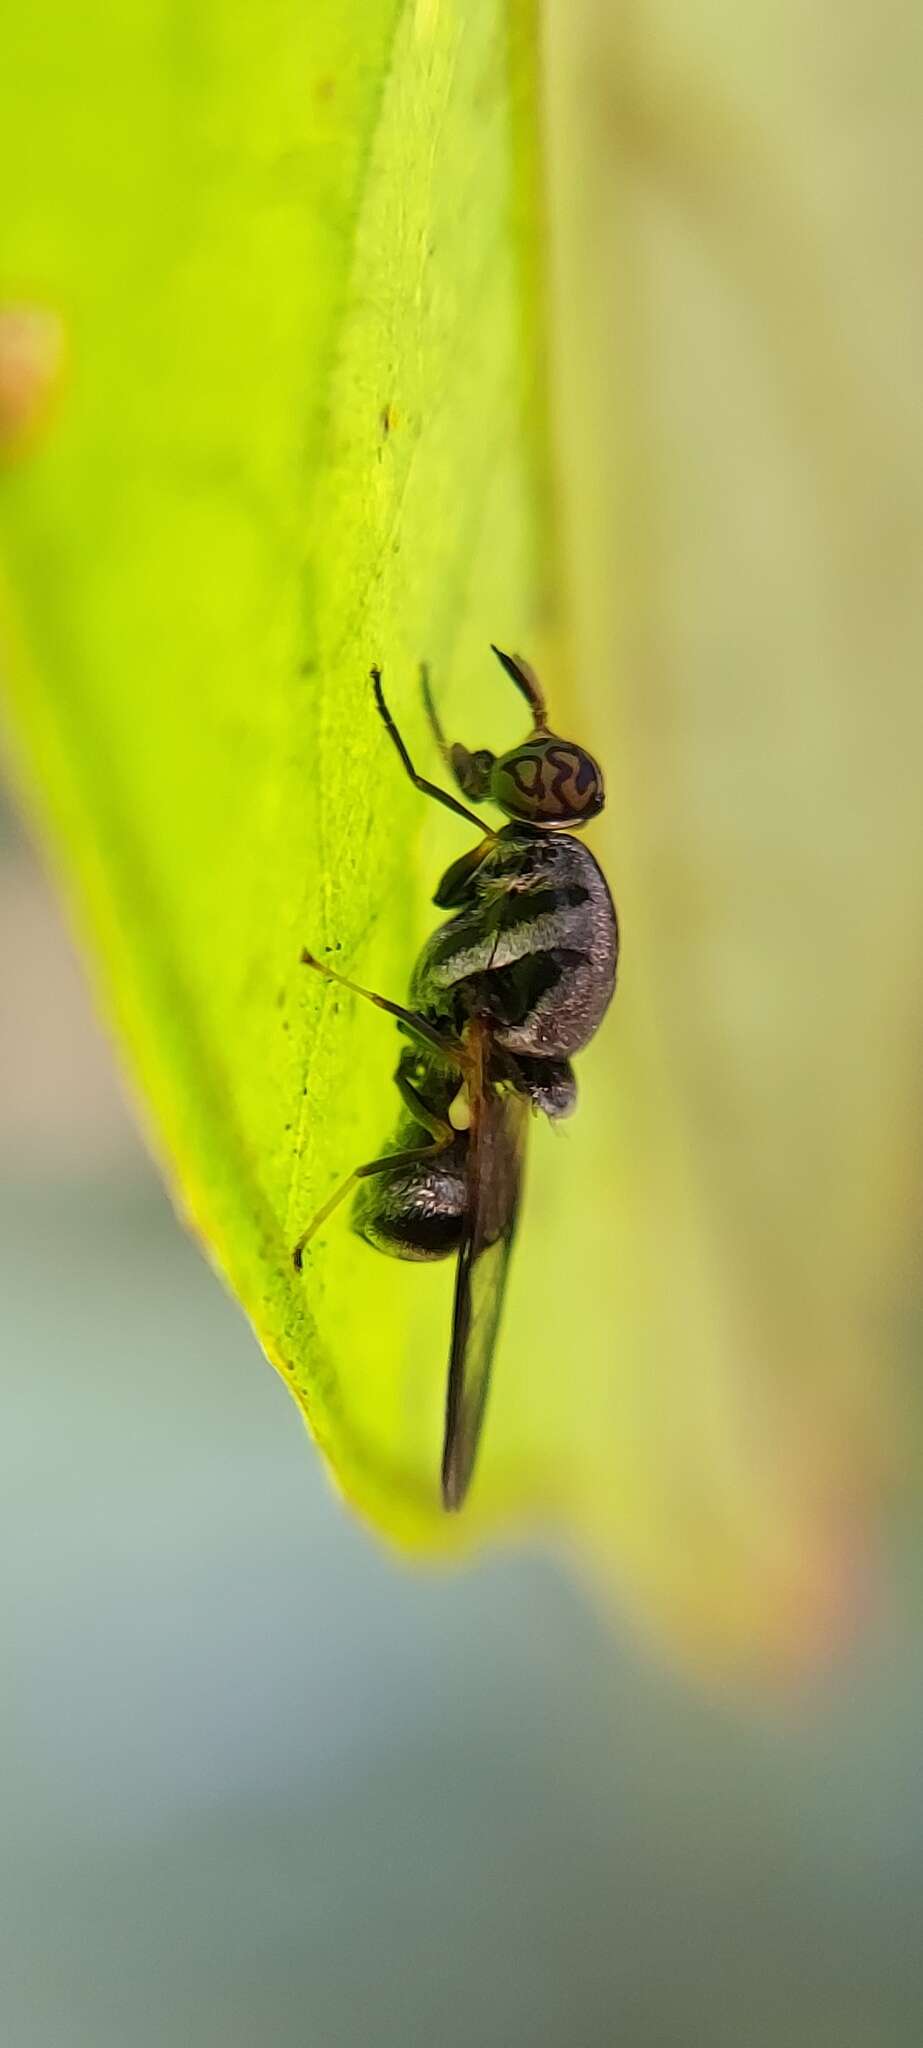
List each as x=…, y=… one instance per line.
x=31, y=365
x=325, y=89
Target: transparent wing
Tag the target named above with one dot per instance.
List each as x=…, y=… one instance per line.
x=495, y=1160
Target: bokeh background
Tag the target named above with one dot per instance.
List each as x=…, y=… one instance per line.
x=260, y=1781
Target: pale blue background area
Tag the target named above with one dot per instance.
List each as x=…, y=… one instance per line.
x=263, y=1785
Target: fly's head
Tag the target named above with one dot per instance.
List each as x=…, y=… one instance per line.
x=547, y=783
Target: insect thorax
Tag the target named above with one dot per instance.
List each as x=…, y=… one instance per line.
x=533, y=946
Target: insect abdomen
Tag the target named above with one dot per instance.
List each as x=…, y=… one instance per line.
x=417, y=1211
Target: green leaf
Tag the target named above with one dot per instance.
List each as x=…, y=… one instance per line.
x=277, y=410
x=292, y=255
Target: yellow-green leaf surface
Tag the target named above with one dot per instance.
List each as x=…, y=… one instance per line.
x=292, y=254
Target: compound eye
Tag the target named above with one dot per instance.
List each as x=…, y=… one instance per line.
x=548, y=782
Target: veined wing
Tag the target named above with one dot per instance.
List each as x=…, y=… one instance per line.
x=495, y=1159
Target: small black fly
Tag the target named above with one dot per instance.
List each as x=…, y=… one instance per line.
x=503, y=995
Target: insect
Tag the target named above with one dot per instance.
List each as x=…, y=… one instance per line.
x=503, y=994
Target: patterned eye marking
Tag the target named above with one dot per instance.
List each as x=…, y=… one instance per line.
x=575, y=780
x=532, y=785
x=554, y=781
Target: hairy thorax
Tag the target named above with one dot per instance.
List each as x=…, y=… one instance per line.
x=533, y=945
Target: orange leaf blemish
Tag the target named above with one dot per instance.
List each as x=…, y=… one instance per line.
x=31, y=364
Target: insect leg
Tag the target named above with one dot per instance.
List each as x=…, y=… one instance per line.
x=391, y=1163
x=450, y=1048
x=442, y=796
x=525, y=680
x=471, y=771
x=433, y=715
x=438, y=1126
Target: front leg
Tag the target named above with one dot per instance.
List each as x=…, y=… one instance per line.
x=420, y=782
x=472, y=770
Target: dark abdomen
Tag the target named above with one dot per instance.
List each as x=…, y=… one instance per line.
x=415, y=1212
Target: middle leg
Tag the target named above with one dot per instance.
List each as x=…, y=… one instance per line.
x=450, y=1048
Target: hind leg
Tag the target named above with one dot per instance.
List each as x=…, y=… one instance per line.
x=394, y=1162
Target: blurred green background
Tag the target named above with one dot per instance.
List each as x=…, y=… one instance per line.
x=263, y=1783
